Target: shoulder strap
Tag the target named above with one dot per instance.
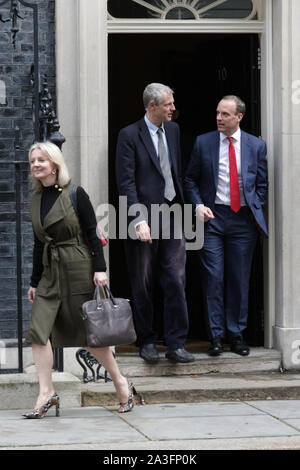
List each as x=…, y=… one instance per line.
x=73, y=197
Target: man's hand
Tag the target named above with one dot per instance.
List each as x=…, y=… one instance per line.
x=204, y=213
x=143, y=232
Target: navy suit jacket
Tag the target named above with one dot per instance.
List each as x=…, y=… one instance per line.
x=138, y=171
x=201, y=179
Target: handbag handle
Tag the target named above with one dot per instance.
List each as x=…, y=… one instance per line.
x=107, y=294
x=97, y=297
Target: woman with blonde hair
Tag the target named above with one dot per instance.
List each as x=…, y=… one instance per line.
x=65, y=272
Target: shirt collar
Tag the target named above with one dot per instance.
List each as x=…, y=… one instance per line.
x=152, y=127
x=236, y=136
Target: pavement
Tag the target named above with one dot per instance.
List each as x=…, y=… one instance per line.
x=180, y=427
x=181, y=410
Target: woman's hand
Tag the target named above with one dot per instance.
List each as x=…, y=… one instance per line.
x=31, y=294
x=100, y=279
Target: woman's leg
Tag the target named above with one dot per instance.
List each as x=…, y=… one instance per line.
x=105, y=357
x=43, y=358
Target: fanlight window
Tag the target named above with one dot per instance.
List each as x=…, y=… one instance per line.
x=182, y=9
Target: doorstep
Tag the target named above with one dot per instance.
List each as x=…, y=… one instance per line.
x=199, y=388
x=259, y=360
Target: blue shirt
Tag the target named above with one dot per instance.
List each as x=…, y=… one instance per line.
x=154, y=135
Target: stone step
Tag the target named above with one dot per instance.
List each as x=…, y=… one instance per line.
x=259, y=360
x=226, y=377
x=197, y=388
x=206, y=378
x=19, y=391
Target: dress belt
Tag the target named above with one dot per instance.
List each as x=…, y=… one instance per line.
x=51, y=248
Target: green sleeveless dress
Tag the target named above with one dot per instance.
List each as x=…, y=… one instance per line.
x=67, y=279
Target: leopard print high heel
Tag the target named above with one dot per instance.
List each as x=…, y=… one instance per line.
x=42, y=410
x=125, y=407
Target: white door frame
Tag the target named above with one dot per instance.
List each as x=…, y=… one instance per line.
x=263, y=28
x=82, y=88
x=135, y=26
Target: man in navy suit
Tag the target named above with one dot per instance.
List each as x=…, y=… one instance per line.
x=148, y=170
x=227, y=181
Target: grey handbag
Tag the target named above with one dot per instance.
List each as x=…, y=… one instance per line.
x=108, y=321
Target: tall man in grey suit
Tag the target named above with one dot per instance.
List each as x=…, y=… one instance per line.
x=227, y=181
x=148, y=169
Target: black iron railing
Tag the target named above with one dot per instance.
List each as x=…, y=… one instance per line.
x=88, y=362
x=45, y=127
x=18, y=240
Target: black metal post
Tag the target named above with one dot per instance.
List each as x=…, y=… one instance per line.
x=36, y=68
x=18, y=220
x=36, y=72
x=19, y=264
x=58, y=359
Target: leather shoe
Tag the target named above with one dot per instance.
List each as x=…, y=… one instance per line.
x=239, y=346
x=149, y=353
x=179, y=355
x=216, y=347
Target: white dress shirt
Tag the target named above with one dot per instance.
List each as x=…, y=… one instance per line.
x=154, y=136
x=223, y=189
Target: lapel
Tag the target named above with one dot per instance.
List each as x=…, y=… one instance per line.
x=147, y=140
x=245, y=155
x=56, y=213
x=214, y=156
x=172, y=146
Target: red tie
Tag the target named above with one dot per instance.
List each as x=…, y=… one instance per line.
x=235, y=201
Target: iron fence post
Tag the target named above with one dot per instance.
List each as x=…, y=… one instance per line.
x=19, y=263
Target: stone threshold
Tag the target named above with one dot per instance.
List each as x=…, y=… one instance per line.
x=199, y=388
x=259, y=360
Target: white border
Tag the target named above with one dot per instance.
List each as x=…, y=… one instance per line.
x=128, y=26
x=132, y=26
x=267, y=135
x=81, y=37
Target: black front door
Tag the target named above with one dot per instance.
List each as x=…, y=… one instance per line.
x=201, y=68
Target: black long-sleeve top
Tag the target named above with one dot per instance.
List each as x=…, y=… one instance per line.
x=87, y=221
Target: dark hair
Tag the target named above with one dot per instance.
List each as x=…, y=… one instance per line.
x=240, y=105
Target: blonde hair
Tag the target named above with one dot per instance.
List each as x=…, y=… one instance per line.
x=54, y=154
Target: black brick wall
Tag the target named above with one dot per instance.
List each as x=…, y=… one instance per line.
x=16, y=110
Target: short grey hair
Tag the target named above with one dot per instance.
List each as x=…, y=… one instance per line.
x=154, y=92
x=240, y=105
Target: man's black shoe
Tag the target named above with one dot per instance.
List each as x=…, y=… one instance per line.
x=216, y=347
x=179, y=355
x=149, y=353
x=238, y=346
